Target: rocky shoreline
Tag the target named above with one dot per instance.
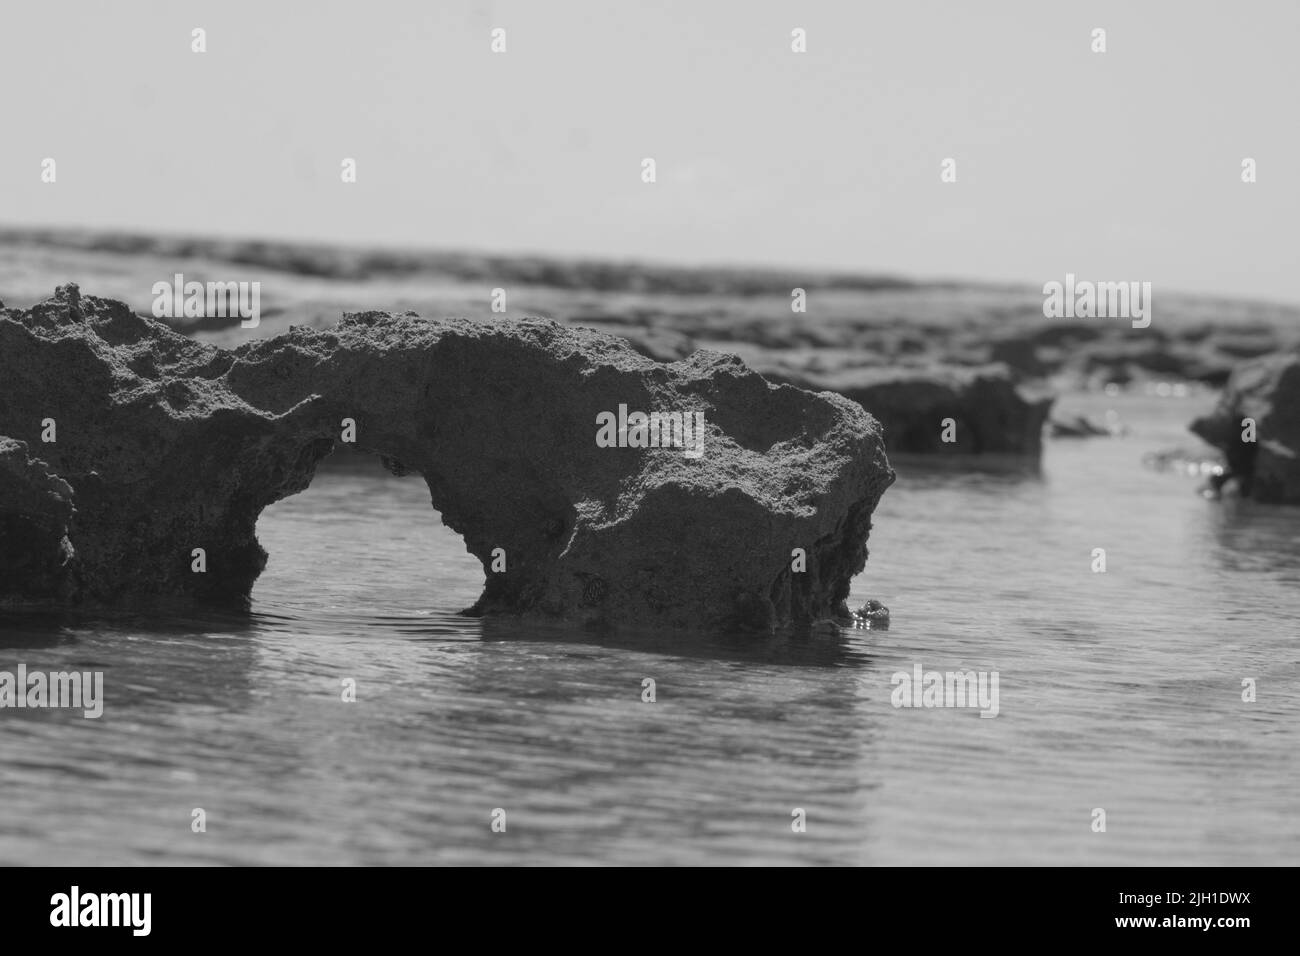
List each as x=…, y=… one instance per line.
x=173, y=435
x=914, y=353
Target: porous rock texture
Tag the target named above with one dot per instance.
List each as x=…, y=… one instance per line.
x=168, y=445
x=35, y=510
x=1267, y=391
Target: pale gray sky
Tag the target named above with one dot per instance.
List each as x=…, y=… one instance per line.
x=1123, y=165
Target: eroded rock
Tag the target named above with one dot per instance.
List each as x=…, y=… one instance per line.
x=36, y=557
x=171, y=445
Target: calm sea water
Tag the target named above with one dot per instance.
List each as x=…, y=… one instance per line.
x=1119, y=691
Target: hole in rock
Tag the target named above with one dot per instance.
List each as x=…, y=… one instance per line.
x=362, y=542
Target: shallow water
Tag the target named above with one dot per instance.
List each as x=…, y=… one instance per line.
x=1119, y=691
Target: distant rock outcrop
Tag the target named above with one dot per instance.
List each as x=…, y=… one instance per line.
x=172, y=448
x=940, y=409
x=1265, y=391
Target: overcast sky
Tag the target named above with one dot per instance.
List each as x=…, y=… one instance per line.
x=1122, y=165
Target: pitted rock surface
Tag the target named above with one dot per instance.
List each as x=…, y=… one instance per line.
x=166, y=445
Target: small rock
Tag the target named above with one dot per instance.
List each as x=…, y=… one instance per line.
x=1266, y=391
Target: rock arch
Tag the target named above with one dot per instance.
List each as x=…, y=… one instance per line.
x=167, y=444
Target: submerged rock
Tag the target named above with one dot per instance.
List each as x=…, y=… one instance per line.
x=173, y=448
x=872, y=616
x=1267, y=392
x=1080, y=426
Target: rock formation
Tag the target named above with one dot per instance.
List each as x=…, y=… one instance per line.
x=171, y=448
x=991, y=413
x=1266, y=391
